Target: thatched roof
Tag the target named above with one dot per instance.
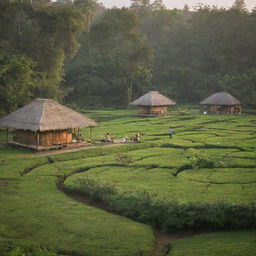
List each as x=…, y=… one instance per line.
x=153, y=98
x=45, y=115
x=221, y=98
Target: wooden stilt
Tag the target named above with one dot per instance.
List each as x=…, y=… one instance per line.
x=90, y=133
x=37, y=139
x=7, y=135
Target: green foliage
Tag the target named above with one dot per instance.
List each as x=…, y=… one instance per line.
x=114, y=62
x=123, y=159
x=8, y=249
x=233, y=243
x=196, y=53
x=168, y=215
x=94, y=189
x=203, y=161
x=36, y=39
x=16, y=81
x=146, y=190
x=36, y=211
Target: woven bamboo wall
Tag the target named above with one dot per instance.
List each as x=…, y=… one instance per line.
x=51, y=138
x=157, y=110
x=222, y=109
x=25, y=137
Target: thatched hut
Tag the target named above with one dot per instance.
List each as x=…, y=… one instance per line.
x=152, y=103
x=222, y=103
x=45, y=124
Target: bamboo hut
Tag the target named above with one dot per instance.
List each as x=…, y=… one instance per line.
x=152, y=103
x=45, y=124
x=222, y=103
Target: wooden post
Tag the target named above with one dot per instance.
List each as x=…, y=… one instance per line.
x=7, y=135
x=37, y=139
x=90, y=133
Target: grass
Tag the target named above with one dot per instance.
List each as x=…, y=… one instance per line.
x=36, y=211
x=236, y=243
x=227, y=139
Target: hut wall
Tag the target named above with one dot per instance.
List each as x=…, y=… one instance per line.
x=155, y=110
x=144, y=110
x=51, y=138
x=159, y=110
x=224, y=109
x=25, y=137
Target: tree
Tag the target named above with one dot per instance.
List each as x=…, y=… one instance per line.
x=16, y=81
x=114, y=62
x=45, y=33
x=157, y=5
x=240, y=5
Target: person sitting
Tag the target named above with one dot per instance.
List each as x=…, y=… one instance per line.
x=136, y=138
x=124, y=139
x=108, y=138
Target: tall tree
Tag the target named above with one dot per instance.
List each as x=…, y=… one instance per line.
x=16, y=81
x=239, y=5
x=116, y=61
x=45, y=33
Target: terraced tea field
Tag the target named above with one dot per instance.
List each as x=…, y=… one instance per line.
x=203, y=179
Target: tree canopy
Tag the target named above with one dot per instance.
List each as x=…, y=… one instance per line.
x=190, y=54
x=41, y=33
x=106, y=58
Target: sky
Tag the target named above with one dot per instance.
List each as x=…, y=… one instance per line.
x=180, y=3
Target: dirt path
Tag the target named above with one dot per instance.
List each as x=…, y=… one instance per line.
x=162, y=239
x=63, y=151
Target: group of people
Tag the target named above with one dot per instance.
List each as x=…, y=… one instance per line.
x=136, y=138
x=108, y=138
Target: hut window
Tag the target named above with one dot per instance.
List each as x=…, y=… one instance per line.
x=69, y=131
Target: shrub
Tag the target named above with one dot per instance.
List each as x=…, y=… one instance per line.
x=8, y=249
x=123, y=159
x=169, y=215
x=100, y=192
x=203, y=161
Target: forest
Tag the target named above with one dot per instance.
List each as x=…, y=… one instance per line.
x=83, y=54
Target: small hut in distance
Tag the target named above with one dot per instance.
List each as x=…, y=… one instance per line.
x=152, y=103
x=45, y=124
x=222, y=103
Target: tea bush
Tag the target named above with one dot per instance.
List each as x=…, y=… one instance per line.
x=9, y=249
x=202, y=161
x=169, y=215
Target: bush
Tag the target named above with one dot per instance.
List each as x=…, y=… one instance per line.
x=202, y=161
x=100, y=192
x=8, y=249
x=123, y=159
x=168, y=215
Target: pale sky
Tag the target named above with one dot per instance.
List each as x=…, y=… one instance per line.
x=180, y=3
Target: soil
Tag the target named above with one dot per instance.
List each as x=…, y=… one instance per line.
x=67, y=150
